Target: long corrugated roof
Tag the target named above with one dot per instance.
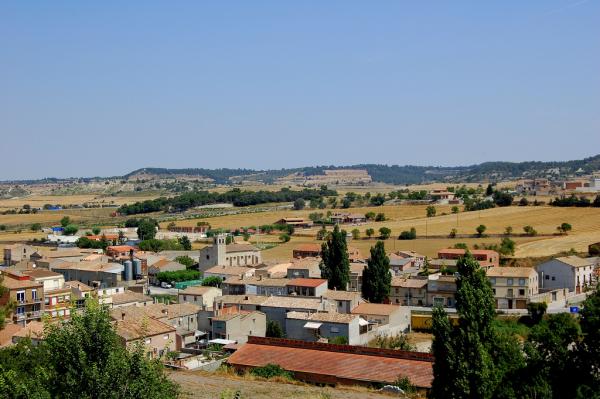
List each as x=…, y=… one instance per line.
x=343, y=364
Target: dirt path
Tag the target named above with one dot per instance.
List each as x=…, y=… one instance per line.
x=196, y=384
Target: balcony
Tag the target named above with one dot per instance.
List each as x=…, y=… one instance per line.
x=28, y=315
x=29, y=301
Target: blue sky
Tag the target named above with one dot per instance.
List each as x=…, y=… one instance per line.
x=99, y=89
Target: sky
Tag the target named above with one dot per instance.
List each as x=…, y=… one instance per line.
x=103, y=88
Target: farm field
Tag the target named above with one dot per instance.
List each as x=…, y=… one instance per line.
x=39, y=200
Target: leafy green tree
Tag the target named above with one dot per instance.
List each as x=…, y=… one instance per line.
x=370, y=215
x=376, y=275
x=146, y=229
x=70, y=230
x=431, y=211
x=455, y=209
x=380, y=217
x=36, y=227
x=299, y=204
x=274, y=329
x=84, y=358
x=185, y=243
x=408, y=234
x=355, y=234
x=65, y=221
x=339, y=340
x=489, y=190
x=96, y=230
x=212, y=281
x=346, y=203
x=2, y=227
x=385, y=233
x=369, y=232
x=588, y=349
x=452, y=233
x=536, y=311
x=335, y=266
x=530, y=231
x=523, y=202
x=480, y=230
x=186, y=261
x=564, y=228
x=285, y=237
x=508, y=230
x=507, y=247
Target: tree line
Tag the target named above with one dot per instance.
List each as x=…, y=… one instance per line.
x=236, y=197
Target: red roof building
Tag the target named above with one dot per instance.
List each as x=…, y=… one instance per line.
x=485, y=257
x=320, y=363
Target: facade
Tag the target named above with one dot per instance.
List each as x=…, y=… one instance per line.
x=158, y=337
x=399, y=264
x=27, y=295
x=356, y=271
x=409, y=291
x=306, y=267
x=571, y=272
x=513, y=287
x=94, y=274
x=441, y=290
x=393, y=318
x=307, y=251
x=236, y=325
x=317, y=326
x=16, y=253
x=296, y=222
x=199, y=295
x=418, y=259
x=314, y=287
x=343, y=301
x=222, y=254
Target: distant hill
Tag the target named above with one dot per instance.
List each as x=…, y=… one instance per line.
x=393, y=174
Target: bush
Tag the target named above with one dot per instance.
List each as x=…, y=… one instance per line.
x=70, y=230
x=299, y=204
x=405, y=385
x=536, y=311
x=36, y=227
x=274, y=329
x=186, y=261
x=380, y=217
x=284, y=237
x=594, y=250
x=212, y=281
x=339, y=340
x=530, y=231
x=384, y=233
x=408, y=235
x=270, y=371
x=452, y=233
x=179, y=275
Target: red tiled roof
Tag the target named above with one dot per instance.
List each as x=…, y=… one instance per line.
x=307, y=282
x=341, y=362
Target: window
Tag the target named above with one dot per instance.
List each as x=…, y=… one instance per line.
x=509, y=281
x=521, y=291
x=20, y=310
x=148, y=340
x=166, y=336
x=34, y=294
x=553, y=278
x=493, y=281
x=521, y=281
x=21, y=296
x=494, y=291
x=509, y=292
x=547, y=277
x=335, y=330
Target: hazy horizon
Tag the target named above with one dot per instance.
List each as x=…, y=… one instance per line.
x=104, y=89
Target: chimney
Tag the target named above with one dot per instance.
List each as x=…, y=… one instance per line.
x=165, y=311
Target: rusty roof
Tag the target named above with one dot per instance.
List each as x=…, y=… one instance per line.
x=339, y=361
x=133, y=328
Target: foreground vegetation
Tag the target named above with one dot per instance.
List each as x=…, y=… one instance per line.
x=559, y=359
x=83, y=358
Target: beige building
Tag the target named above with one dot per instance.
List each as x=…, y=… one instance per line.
x=199, y=295
x=16, y=253
x=26, y=294
x=409, y=291
x=222, y=254
x=158, y=337
x=236, y=325
x=513, y=286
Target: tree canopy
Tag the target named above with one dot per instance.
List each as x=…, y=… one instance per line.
x=335, y=266
x=376, y=277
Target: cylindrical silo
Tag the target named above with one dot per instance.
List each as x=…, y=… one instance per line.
x=128, y=270
x=137, y=267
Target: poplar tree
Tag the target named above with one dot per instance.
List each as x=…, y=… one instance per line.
x=377, y=278
x=335, y=266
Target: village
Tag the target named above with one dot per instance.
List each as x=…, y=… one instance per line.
x=199, y=309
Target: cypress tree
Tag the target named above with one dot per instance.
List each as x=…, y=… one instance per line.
x=377, y=278
x=335, y=266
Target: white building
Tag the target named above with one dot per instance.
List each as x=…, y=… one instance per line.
x=570, y=272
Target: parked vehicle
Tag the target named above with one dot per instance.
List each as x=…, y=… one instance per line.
x=164, y=284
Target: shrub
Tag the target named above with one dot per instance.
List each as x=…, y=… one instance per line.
x=339, y=340
x=270, y=371
x=408, y=235
x=384, y=233
x=212, y=281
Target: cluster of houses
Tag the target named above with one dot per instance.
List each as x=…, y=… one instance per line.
x=50, y=284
